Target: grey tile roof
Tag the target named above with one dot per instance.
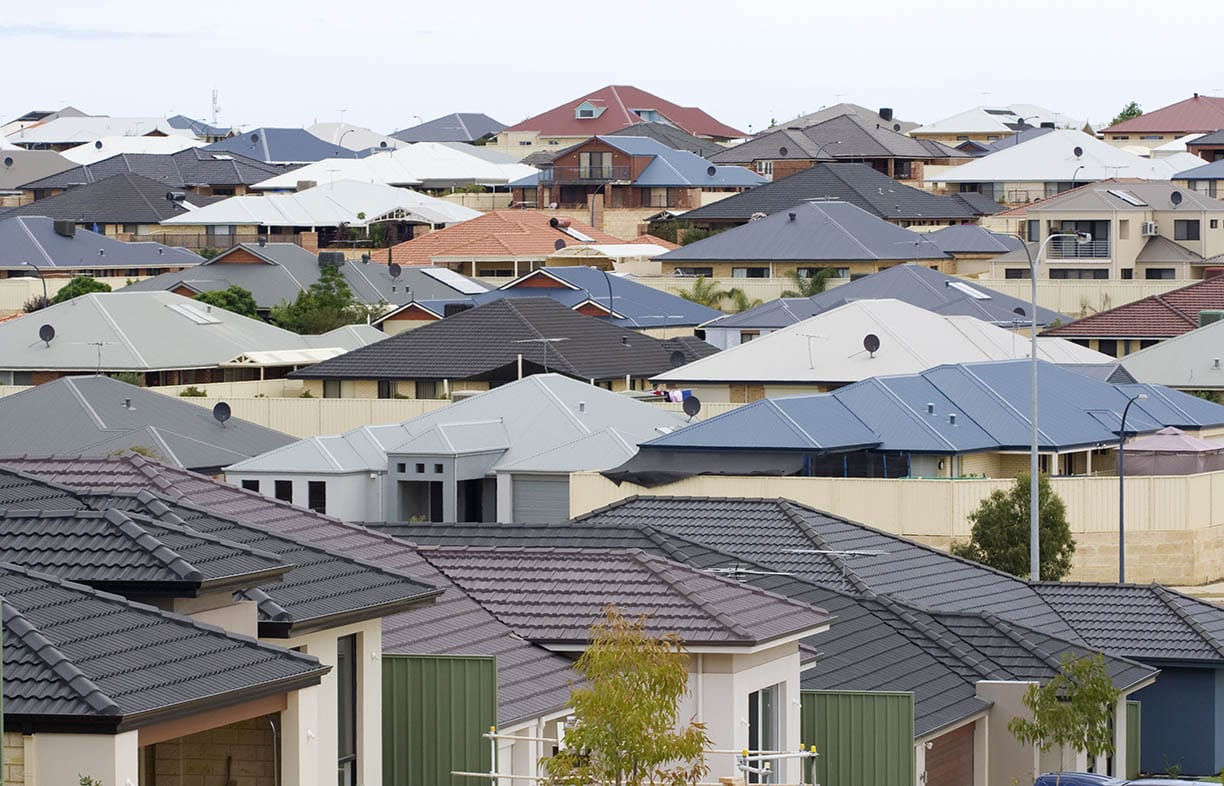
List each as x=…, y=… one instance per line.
x=554, y=596
x=291, y=269
x=531, y=681
x=455, y=127
x=120, y=199
x=280, y=145
x=184, y=169
x=79, y=659
x=845, y=136
x=810, y=231
x=92, y=417
x=488, y=340
x=34, y=239
x=857, y=184
x=844, y=108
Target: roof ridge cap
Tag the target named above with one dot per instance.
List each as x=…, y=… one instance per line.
x=843, y=567
x=151, y=545
x=666, y=570
x=980, y=664
x=1166, y=596
x=1013, y=632
x=85, y=688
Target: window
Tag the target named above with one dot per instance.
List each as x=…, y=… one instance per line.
x=586, y=113
x=346, y=709
x=1079, y=273
x=525, y=142
x=401, y=467
x=1128, y=273
x=1034, y=231
x=1151, y=137
x=284, y=490
x=1017, y=272
x=131, y=229
x=834, y=272
x=1107, y=346
x=316, y=496
x=331, y=388
x=420, y=469
x=251, y=485
x=439, y=469
x=903, y=170
x=594, y=166
x=763, y=724
x=1122, y=137
x=657, y=197
x=1159, y=274
x=1186, y=229
x=748, y=335
x=1215, y=222
x=386, y=388
x=992, y=137
x=962, y=138
x=749, y=272
x=426, y=388
x=764, y=168
x=695, y=271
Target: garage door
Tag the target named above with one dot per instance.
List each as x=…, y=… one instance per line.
x=949, y=762
x=540, y=499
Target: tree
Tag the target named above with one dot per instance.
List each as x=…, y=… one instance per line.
x=1129, y=112
x=80, y=285
x=34, y=303
x=235, y=299
x=707, y=292
x=806, y=286
x=1000, y=534
x=1073, y=710
x=740, y=300
x=325, y=305
x=626, y=732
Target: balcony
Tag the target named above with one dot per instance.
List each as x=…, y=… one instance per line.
x=583, y=174
x=1067, y=248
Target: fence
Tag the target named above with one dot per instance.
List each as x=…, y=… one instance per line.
x=14, y=292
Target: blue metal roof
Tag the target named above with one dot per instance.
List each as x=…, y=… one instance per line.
x=990, y=403
x=1212, y=171
x=288, y=145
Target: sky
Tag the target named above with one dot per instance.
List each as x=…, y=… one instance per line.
x=389, y=65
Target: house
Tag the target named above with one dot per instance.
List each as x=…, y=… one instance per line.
x=1209, y=147
x=1204, y=179
x=164, y=338
x=836, y=236
x=949, y=421
x=222, y=569
x=638, y=175
x=120, y=205
x=192, y=170
x=431, y=166
x=603, y=111
x=98, y=416
x=858, y=184
x=973, y=246
x=848, y=138
x=1139, y=230
x=329, y=212
x=1189, y=361
x=884, y=116
x=664, y=134
x=468, y=127
x=351, y=137
x=18, y=167
x=1197, y=114
x=1052, y=163
x=281, y=146
x=35, y=116
x=199, y=128
x=504, y=455
x=487, y=346
x=105, y=147
x=835, y=348
x=276, y=273
x=64, y=131
x=59, y=249
x=992, y=124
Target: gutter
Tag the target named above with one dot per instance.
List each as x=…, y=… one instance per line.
x=287, y=630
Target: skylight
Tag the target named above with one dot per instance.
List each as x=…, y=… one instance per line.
x=972, y=292
x=1128, y=197
x=194, y=313
x=453, y=280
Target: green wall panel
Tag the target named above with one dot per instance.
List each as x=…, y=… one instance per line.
x=863, y=738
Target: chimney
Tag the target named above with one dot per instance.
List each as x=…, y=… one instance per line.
x=886, y=113
x=64, y=228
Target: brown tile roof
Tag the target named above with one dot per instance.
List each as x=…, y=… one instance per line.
x=1155, y=316
x=618, y=103
x=1193, y=115
x=654, y=239
x=499, y=234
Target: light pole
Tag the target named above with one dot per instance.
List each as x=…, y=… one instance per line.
x=1122, y=487
x=820, y=149
x=38, y=270
x=1034, y=518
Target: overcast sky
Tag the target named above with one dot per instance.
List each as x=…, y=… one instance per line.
x=387, y=64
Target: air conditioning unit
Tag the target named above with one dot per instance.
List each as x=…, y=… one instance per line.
x=1150, y=229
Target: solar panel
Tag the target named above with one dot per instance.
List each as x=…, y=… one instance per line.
x=453, y=280
x=574, y=233
x=972, y=292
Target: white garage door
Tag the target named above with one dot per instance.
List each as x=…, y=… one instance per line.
x=540, y=499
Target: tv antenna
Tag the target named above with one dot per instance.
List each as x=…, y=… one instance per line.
x=840, y=552
x=543, y=341
x=99, y=345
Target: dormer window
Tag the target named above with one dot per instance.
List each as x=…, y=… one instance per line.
x=648, y=115
x=586, y=111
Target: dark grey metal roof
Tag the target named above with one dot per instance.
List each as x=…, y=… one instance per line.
x=280, y=145
x=456, y=127
x=185, y=169
x=97, y=415
x=673, y=136
x=842, y=137
x=120, y=199
x=972, y=239
x=858, y=184
x=490, y=338
x=810, y=231
x=977, y=203
x=34, y=239
x=79, y=659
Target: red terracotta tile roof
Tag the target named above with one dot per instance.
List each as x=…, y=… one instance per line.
x=1156, y=316
x=653, y=240
x=500, y=234
x=618, y=101
x=1197, y=114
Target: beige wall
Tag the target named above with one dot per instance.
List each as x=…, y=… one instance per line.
x=1174, y=525
x=55, y=759
x=13, y=759
x=14, y=292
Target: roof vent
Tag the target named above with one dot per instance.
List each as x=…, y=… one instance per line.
x=582, y=406
x=127, y=404
x=64, y=228
x=886, y=112
x=8, y=161
x=782, y=151
x=952, y=419
x=176, y=196
x=930, y=408
x=791, y=216
x=1047, y=124
x=331, y=258
x=263, y=242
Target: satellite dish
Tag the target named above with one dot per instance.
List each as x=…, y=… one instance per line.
x=1078, y=151
x=98, y=144
x=221, y=412
x=46, y=333
x=254, y=137
x=711, y=170
x=871, y=342
x=560, y=244
x=1175, y=198
x=1018, y=310
x=783, y=150
x=8, y=160
x=382, y=143
x=677, y=359
x=394, y=270
x=691, y=405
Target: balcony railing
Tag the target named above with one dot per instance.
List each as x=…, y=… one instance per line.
x=584, y=174
x=1067, y=248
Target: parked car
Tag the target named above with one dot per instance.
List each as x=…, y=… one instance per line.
x=1093, y=779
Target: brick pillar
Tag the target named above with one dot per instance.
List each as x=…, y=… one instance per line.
x=309, y=241
x=595, y=212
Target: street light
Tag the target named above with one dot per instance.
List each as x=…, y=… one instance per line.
x=1034, y=519
x=820, y=149
x=38, y=271
x=1122, y=487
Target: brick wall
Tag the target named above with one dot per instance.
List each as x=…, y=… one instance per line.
x=14, y=759
x=236, y=755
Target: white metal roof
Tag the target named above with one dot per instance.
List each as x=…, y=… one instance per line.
x=330, y=204
x=1193, y=360
x=353, y=137
x=87, y=128
x=409, y=165
x=829, y=347
x=994, y=120
x=1051, y=158
x=105, y=147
